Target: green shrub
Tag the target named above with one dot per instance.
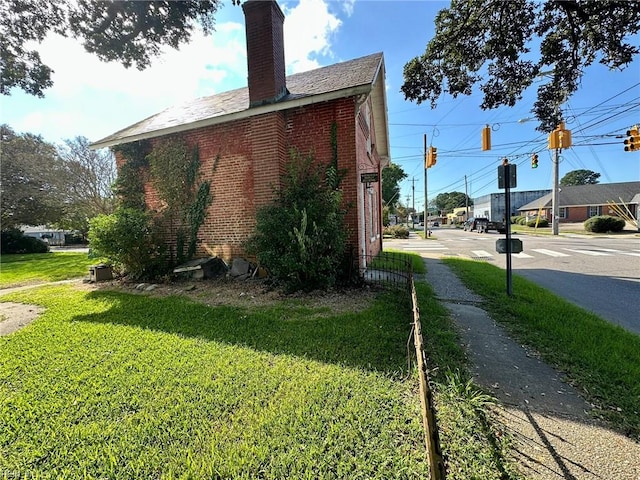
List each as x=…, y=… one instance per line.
x=300, y=238
x=516, y=219
x=397, y=231
x=543, y=222
x=128, y=240
x=522, y=220
x=604, y=224
x=14, y=241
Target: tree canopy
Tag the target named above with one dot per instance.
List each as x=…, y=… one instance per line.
x=391, y=177
x=89, y=176
x=62, y=186
x=580, y=177
x=31, y=193
x=491, y=41
x=446, y=202
x=124, y=31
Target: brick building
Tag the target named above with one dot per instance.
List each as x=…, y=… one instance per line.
x=250, y=131
x=577, y=203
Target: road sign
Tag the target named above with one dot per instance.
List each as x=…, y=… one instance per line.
x=507, y=174
x=501, y=245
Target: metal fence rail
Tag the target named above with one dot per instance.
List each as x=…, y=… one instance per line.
x=387, y=269
x=432, y=438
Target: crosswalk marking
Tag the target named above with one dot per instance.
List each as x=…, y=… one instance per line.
x=551, y=253
x=593, y=253
x=481, y=253
x=422, y=246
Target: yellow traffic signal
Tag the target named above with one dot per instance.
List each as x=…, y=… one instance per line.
x=564, y=136
x=560, y=138
x=534, y=160
x=434, y=156
x=632, y=143
x=431, y=157
x=486, y=138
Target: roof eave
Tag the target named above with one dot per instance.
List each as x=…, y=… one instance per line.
x=250, y=112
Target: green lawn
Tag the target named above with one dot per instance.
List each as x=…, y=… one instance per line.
x=602, y=359
x=115, y=385
x=31, y=268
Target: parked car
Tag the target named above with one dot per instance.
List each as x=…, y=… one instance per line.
x=481, y=224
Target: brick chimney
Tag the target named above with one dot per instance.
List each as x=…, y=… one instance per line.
x=264, y=23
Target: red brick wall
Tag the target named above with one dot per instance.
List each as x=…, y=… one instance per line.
x=308, y=130
x=243, y=161
x=368, y=161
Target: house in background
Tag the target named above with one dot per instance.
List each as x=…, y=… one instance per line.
x=250, y=131
x=580, y=202
x=458, y=216
x=47, y=234
x=492, y=206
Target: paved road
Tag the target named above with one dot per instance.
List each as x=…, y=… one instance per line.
x=600, y=274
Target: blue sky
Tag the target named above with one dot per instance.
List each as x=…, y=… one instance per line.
x=94, y=99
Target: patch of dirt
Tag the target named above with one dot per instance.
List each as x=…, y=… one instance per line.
x=14, y=316
x=246, y=293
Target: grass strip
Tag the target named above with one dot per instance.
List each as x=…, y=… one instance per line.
x=16, y=270
x=473, y=446
x=393, y=259
x=600, y=358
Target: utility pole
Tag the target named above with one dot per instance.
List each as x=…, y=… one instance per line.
x=555, y=211
x=466, y=199
x=413, y=201
x=408, y=197
x=426, y=198
x=558, y=139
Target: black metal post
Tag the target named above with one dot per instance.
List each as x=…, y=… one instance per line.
x=507, y=220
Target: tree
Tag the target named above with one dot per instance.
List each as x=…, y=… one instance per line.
x=391, y=176
x=492, y=39
x=129, y=32
x=448, y=201
x=31, y=169
x=580, y=177
x=89, y=176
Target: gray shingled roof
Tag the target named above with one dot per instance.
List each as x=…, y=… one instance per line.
x=585, y=195
x=340, y=80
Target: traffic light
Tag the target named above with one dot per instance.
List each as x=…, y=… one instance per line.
x=632, y=143
x=564, y=136
x=432, y=157
x=534, y=160
x=560, y=138
x=486, y=138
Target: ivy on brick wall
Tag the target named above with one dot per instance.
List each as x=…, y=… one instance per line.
x=334, y=174
x=129, y=185
x=174, y=171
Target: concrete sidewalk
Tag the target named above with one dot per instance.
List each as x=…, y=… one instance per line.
x=554, y=436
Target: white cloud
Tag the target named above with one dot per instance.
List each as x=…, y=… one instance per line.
x=174, y=76
x=94, y=98
x=307, y=32
x=348, y=6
